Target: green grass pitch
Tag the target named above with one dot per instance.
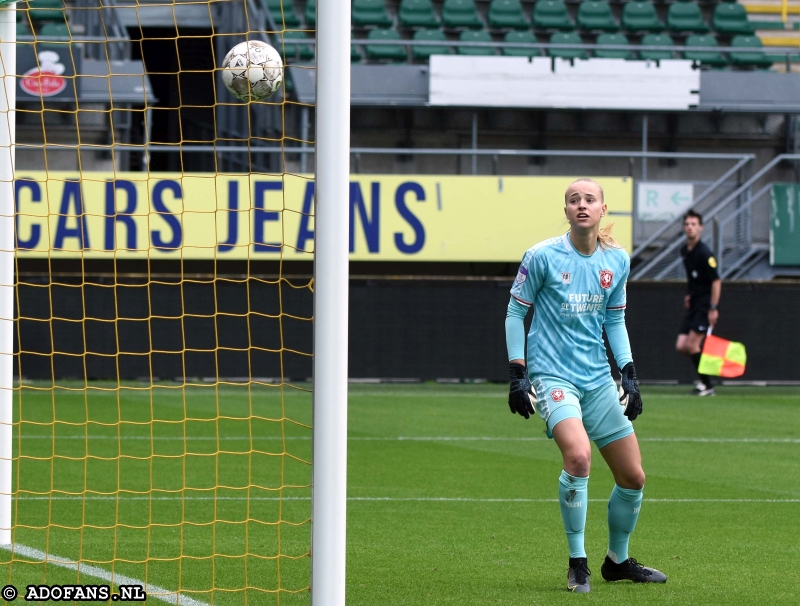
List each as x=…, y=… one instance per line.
x=452, y=498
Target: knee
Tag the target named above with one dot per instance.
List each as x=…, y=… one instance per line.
x=633, y=480
x=578, y=463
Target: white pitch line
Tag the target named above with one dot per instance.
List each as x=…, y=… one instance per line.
x=154, y=591
x=377, y=499
x=699, y=440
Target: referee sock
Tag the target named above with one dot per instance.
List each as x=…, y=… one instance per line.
x=623, y=511
x=704, y=378
x=573, y=498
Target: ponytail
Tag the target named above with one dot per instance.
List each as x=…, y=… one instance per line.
x=605, y=239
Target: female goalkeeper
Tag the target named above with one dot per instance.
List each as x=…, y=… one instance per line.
x=576, y=285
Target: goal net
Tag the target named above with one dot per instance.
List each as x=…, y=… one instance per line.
x=160, y=416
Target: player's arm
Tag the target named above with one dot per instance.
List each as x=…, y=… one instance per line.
x=521, y=396
x=618, y=339
x=713, y=311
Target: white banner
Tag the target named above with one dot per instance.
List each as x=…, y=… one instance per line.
x=543, y=82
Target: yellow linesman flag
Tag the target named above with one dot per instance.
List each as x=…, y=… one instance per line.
x=722, y=358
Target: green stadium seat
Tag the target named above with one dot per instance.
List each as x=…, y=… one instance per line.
x=282, y=11
x=641, y=17
x=507, y=14
x=60, y=30
x=612, y=39
x=46, y=10
x=731, y=18
x=461, y=14
x=417, y=13
x=423, y=53
x=596, y=15
x=294, y=51
x=310, y=14
x=356, y=55
x=566, y=53
x=711, y=58
x=751, y=59
x=552, y=14
x=370, y=12
x=526, y=37
x=386, y=52
x=656, y=40
x=685, y=17
x=23, y=29
x=472, y=36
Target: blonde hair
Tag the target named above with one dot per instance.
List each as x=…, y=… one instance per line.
x=604, y=237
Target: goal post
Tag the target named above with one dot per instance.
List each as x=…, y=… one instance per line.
x=8, y=61
x=329, y=471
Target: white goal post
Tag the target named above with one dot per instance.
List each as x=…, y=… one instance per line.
x=8, y=65
x=331, y=224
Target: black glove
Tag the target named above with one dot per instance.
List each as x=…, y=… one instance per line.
x=521, y=395
x=630, y=397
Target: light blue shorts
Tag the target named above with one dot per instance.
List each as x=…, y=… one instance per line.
x=598, y=409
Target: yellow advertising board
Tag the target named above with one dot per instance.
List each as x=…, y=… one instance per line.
x=205, y=216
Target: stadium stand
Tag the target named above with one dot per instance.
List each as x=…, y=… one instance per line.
x=475, y=36
x=685, y=16
x=526, y=37
x=459, y=14
x=612, y=39
x=749, y=59
x=423, y=53
x=295, y=50
x=356, y=56
x=60, y=30
x=282, y=11
x=711, y=58
x=656, y=40
x=596, y=15
x=370, y=13
x=45, y=10
x=731, y=18
x=552, y=15
x=385, y=52
x=417, y=13
x=310, y=13
x=641, y=17
x=566, y=53
x=507, y=14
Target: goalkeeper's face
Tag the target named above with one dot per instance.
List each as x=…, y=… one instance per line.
x=584, y=206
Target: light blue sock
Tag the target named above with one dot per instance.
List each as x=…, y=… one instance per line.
x=623, y=511
x=573, y=498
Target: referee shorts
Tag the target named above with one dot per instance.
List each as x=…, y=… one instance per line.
x=696, y=319
x=598, y=409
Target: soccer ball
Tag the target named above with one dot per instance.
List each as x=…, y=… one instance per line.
x=252, y=71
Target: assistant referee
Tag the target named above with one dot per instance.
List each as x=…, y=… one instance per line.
x=702, y=299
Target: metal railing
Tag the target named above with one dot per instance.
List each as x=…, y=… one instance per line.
x=735, y=206
x=788, y=52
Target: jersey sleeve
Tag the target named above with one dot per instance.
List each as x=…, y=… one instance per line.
x=530, y=278
x=618, y=297
x=710, y=267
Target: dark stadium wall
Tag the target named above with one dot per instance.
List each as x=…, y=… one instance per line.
x=399, y=329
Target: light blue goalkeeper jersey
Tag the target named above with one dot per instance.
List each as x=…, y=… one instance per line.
x=571, y=294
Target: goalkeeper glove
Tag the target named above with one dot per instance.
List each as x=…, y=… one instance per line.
x=521, y=396
x=629, y=396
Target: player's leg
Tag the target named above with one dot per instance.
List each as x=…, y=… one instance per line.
x=573, y=496
x=625, y=461
x=559, y=405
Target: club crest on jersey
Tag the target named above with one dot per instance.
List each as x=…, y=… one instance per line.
x=557, y=395
x=606, y=278
x=566, y=277
x=522, y=275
